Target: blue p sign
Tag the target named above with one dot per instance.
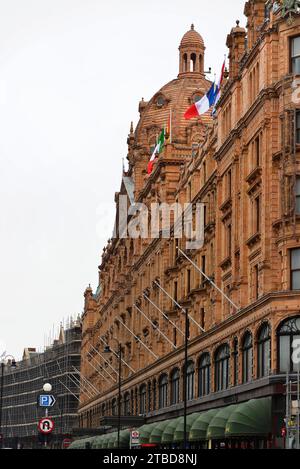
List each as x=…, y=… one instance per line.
x=44, y=401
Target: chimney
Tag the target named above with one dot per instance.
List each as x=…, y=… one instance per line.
x=255, y=11
x=236, y=44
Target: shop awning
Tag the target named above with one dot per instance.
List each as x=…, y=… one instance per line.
x=111, y=440
x=157, y=432
x=81, y=444
x=97, y=442
x=216, y=428
x=198, y=431
x=105, y=440
x=179, y=432
x=168, y=434
x=252, y=418
x=124, y=439
x=145, y=433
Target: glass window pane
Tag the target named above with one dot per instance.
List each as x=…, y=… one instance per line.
x=296, y=46
x=284, y=351
x=295, y=365
x=296, y=66
x=296, y=280
x=295, y=259
x=298, y=204
x=298, y=179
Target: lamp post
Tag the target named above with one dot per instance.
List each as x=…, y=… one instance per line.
x=108, y=350
x=13, y=364
x=185, y=395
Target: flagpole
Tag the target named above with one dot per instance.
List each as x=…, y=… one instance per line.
x=208, y=279
x=171, y=129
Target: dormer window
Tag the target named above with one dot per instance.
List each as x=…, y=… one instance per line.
x=160, y=101
x=196, y=98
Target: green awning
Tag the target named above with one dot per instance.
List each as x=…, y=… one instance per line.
x=216, y=429
x=157, y=432
x=145, y=433
x=252, y=418
x=81, y=444
x=98, y=441
x=198, y=431
x=111, y=440
x=168, y=434
x=124, y=439
x=106, y=442
x=179, y=432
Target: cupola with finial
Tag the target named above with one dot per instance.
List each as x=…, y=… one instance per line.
x=236, y=43
x=191, y=54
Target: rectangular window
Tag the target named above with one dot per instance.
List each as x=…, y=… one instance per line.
x=256, y=282
x=188, y=281
x=229, y=240
x=295, y=55
x=298, y=195
x=295, y=269
x=190, y=191
x=229, y=183
x=257, y=214
x=203, y=267
x=298, y=127
x=202, y=318
x=176, y=291
x=257, y=152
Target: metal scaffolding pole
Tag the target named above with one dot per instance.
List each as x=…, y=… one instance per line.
x=157, y=328
x=138, y=339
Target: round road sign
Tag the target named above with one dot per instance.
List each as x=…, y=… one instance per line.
x=46, y=425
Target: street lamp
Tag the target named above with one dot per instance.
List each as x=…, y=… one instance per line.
x=47, y=387
x=4, y=362
x=119, y=354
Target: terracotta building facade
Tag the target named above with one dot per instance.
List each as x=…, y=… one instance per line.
x=243, y=164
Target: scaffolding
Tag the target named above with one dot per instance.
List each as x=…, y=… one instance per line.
x=23, y=385
x=292, y=418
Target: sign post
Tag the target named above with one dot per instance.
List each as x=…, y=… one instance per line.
x=134, y=439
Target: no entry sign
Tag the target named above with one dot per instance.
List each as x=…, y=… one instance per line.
x=46, y=425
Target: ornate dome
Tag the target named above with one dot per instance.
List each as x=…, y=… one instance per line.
x=174, y=98
x=192, y=38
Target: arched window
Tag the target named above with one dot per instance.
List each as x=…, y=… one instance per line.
x=154, y=395
x=103, y=410
x=222, y=359
x=193, y=63
x=264, y=351
x=235, y=355
x=163, y=392
x=185, y=63
x=247, y=349
x=175, y=383
x=204, y=375
x=114, y=407
x=149, y=396
x=287, y=332
x=127, y=404
x=190, y=381
x=143, y=392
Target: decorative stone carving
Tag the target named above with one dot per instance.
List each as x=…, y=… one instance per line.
x=290, y=7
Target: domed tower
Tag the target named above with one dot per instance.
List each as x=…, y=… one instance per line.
x=191, y=50
x=170, y=103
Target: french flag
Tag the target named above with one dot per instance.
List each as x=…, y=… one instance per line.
x=209, y=100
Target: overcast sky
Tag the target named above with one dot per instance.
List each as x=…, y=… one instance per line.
x=71, y=75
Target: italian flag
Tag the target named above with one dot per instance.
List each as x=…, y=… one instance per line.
x=158, y=149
